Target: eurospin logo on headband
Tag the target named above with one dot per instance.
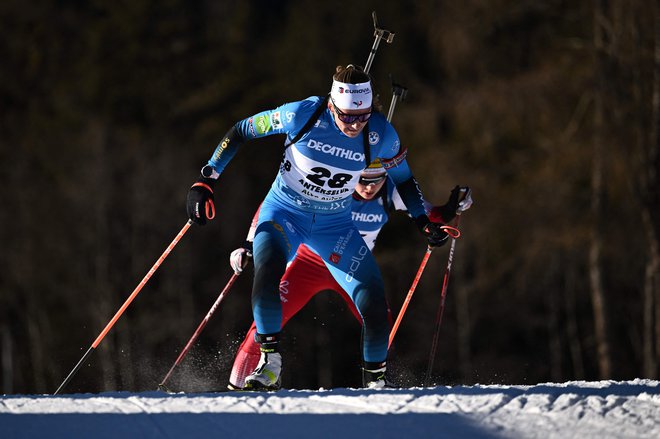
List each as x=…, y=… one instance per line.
x=351, y=96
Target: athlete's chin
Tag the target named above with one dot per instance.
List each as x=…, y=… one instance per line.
x=352, y=133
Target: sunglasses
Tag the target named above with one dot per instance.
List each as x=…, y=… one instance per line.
x=350, y=118
x=366, y=181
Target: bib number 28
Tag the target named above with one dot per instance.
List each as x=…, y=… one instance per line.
x=323, y=175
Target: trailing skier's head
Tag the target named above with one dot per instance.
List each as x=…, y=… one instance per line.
x=351, y=99
x=372, y=180
x=374, y=169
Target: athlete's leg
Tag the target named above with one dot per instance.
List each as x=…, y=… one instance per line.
x=354, y=268
x=304, y=278
x=275, y=242
x=274, y=245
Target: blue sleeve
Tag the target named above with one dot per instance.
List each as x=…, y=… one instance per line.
x=286, y=119
x=393, y=157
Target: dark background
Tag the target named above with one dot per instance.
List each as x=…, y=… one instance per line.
x=548, y=109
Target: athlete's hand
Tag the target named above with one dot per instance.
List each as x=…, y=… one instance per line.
x=199, y=203
x=459, y=201
x=240, y=257
x=435, y=234
x=461, y=197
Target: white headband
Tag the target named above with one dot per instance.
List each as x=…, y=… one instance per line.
x=351, y=96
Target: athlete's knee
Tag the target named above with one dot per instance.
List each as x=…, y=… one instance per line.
x=371, y=303
x=269, y=267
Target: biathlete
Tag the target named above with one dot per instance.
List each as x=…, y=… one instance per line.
x=329, y=142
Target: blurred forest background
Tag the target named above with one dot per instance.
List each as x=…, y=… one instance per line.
x=548, y=109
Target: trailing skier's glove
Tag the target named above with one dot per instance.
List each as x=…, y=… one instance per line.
x=199, y=203
x=459, y=201
x=434, y=233
x=240, y=257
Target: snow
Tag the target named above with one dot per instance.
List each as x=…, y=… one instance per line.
x=577, y=409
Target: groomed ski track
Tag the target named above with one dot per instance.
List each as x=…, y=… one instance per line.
x=603, y=409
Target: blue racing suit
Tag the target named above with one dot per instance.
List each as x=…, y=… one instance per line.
x=310, y=203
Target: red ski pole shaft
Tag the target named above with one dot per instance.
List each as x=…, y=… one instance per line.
x=199, y=329
x=128, y=301
x=441, y=309
x=409, y=295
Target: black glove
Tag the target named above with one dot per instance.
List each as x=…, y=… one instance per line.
x=459, y=201
x=434, y=232
x=199, y=203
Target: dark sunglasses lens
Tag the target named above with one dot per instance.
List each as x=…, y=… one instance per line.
x=351, y=118
x=374, y=180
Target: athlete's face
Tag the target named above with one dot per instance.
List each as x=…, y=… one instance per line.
x=369, y=185
x=353, y=128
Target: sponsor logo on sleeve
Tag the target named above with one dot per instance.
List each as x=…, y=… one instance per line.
x=262, y=124
x=374, y=137
x=276, y=121
x=253, y=133
x=221, y=148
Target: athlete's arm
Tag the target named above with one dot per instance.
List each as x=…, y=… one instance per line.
x=285, y=119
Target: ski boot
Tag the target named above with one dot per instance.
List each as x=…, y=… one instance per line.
x=373, y=375
x=267, y=375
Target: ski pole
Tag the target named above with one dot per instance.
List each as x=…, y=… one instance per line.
x=441, y=308
x=399, y=317
x=454, y=233
x=379, y=34
x=198, y=331
x=128, y=301
x=398, y=92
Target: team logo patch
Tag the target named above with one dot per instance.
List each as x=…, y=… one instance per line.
x=334, y=258
x=276, y=121
x=374, y=137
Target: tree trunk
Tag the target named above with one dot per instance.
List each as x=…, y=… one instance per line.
x=653, y=277
x=464, y=331
x=7, y=361
x=650, y=288
x=575, y=346
x=100, y=241
x=596, y=241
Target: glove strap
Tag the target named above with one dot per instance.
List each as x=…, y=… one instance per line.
x=451, y=231
x=209, y=207
x=204, y=185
